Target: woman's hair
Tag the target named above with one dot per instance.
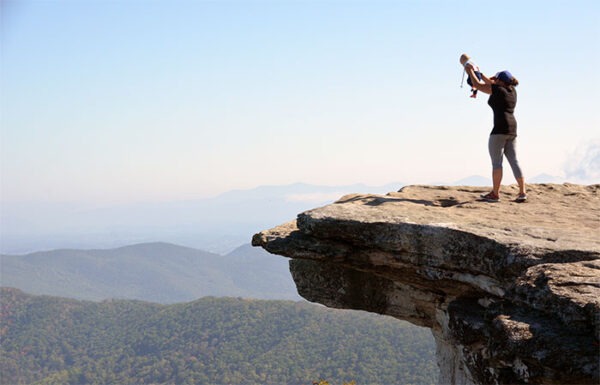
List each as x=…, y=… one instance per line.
x=514, y=82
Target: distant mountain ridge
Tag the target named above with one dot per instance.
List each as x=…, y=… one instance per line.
x=217, y=224
x=156, y=272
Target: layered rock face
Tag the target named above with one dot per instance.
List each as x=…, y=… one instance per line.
x=511, y=291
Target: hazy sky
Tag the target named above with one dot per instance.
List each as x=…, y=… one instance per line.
x=123, y=100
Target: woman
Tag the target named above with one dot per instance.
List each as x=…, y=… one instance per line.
x=503, y=138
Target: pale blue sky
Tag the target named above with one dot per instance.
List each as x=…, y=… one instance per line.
x=123, y=101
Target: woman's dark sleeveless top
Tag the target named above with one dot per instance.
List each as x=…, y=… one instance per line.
x=503, y=101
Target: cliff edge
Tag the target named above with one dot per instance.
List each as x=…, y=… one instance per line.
x=510, y=291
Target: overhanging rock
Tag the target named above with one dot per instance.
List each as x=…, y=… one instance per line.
x=511, y=291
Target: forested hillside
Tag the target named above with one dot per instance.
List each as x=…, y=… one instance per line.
x=48, y=340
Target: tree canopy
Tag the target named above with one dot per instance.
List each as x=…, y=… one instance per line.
x=49, y=340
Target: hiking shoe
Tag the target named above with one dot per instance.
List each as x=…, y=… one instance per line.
x=521, y=198
x=490, y=197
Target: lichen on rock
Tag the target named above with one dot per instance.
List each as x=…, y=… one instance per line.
x=511, y=291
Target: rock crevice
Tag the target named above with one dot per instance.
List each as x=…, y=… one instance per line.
x=510, y=291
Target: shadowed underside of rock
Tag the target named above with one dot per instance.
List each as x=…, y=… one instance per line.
x=511, y=291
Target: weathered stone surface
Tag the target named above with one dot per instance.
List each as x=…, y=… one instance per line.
x=511, y=291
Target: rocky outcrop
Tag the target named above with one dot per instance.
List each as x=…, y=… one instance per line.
x=510, y=291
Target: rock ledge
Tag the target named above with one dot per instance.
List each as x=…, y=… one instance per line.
x=511, y=291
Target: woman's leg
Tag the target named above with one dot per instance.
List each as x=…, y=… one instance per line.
x=496, y=180
x=496, y=148
x=510, y=150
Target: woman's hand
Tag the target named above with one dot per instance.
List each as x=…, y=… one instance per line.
x=483, y=86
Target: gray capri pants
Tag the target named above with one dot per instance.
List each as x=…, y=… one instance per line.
x=499, y=145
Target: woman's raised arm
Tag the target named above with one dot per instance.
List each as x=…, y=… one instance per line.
x=483, y=86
